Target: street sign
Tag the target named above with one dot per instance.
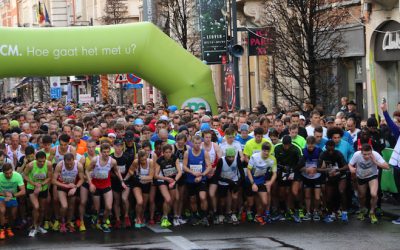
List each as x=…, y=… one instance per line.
x=121, y=78
x=133, y=79
x=133, y=86
x=85, y=98
x=55, y=93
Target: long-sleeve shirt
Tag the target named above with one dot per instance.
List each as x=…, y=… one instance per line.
x=393, y=127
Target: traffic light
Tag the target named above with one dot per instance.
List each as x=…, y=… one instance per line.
x=95, y=86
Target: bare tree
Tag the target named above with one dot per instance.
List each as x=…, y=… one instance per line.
x=307, y=44
x=116, y=11
x=179, y=20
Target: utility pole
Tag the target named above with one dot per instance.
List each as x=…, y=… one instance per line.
x=235, y=59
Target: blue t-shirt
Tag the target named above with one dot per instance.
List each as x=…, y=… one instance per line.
x=243, y=141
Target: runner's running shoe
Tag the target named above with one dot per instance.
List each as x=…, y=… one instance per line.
x=63, y=228
x=105, y=228
x=307, y=217
x=9, y=232
x=373, y=218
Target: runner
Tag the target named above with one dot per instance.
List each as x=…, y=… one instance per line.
x=365, y=164
x=261, y=172
x=230, y=175
x=11, y=187
x=84, y=190
x=333, y=165
x=140, y=178
x=68, y=177
x=215, y=153
x=118, y=192
x=168, y=172
x=100, y=184
x=311, y=179
x=196, y=163
x=288, y=156
x=56, y=156
x=180, y=148
x=38, y=175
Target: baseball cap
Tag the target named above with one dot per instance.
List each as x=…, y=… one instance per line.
x=286, y=140
x=68, y=108
x=302, y=117
x=172, y=108
x=138, y=121
x=164, y=118
x=118, y=142
x=14, y=124
x=129, y=135
x=205, y=127
x=330, y=120
x=230, y=152
x=244, y=127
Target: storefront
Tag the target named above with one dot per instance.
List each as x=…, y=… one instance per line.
x=387, y=61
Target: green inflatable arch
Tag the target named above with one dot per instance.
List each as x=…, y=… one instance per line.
x=139, y=48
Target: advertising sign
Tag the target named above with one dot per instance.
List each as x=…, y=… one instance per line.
x=213, y=30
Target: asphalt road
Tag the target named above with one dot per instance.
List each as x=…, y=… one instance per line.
x=280, y=235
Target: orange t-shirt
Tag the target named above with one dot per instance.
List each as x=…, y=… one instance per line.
x=81, y=147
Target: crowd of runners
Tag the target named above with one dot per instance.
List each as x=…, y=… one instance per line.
x=69, y=167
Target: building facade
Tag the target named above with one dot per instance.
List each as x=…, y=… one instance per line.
x=382, y=35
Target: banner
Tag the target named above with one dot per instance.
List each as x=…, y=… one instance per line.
x=228, y=90
x=213, y=28
x=55, y=87
x=260, y=42
x=149, y=11
x=110, y=49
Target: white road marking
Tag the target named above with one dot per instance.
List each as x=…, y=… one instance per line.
x=183, y=243
x=159, y=229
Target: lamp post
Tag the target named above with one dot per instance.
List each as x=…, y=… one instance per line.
x=234, y=41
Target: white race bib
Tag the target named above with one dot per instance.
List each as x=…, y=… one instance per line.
x=122, y=169
x=196, y=168
x=170, y=172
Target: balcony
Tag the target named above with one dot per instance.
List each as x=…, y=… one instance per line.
x=387, y=4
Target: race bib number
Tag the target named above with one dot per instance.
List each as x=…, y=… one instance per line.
x=365, y=173
x=102, y=175
x=170, y=172
x=41, y=176
x=227, y=175
x=260, y=172
x=122, y=169
x=68, y=179
x=196, y=168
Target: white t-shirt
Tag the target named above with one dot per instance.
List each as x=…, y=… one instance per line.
x=310, y=131
x=354, y=134
x=236, y=145
x=365, y=169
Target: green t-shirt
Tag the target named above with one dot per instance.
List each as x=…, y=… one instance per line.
x=38, y=175
x=253, y=147
x=12, y=184
x=300, y=141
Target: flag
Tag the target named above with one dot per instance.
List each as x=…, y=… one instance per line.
x=46, y=15
x=40, y=16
